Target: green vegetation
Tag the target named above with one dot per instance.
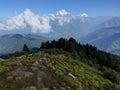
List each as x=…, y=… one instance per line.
x=85, y=53
x=43, y=69
x=16, y=54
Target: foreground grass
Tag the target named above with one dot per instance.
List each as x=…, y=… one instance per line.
x=41, y=71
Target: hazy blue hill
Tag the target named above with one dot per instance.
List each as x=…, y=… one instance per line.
x=82, y=26
x=76, y=27
x=107, y=43
x=17, y=36
x=14, y=42
x=113, y=22
x=107, y=39
x=36, y=37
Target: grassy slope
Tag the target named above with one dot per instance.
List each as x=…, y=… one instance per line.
x=41, y=71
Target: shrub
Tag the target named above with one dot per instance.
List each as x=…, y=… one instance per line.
x=44, y=89
x=33, y=68
x=18, y=78
x=30, y=88
x=112, y=76
x=9, y=78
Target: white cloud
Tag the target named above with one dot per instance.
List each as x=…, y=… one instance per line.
x=62, y=13
x=27, y=18
x=84, y=15
x=63, y=20
x=62, y=17
x=81, y=17
x=38, y=23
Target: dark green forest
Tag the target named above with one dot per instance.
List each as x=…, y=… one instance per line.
x=85, y=53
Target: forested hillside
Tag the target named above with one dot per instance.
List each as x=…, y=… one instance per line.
x=60, y=65
x=85, y=53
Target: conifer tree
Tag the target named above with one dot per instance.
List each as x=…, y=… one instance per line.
x=25, y=48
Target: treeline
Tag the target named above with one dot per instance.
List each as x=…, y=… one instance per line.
x=86, y=53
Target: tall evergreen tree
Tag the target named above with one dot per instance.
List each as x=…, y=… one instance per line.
x=42, y=45
x=25, y=48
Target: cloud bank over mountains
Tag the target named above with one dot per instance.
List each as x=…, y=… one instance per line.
x=27, y=19
x=39, y=23
x=86, y=29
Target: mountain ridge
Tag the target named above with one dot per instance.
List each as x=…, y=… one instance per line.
x=14, y=42
x=104, y=39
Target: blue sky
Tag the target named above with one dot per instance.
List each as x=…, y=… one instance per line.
x=91, y=7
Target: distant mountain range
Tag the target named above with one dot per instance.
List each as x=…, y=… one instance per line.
x=107, y=39
x=14, y=42
x=103, y=32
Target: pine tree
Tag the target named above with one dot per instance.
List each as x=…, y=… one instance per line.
x=25, y=48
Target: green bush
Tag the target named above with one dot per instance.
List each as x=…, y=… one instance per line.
x=10, y=78
x=44, y=89
x=31, y=88
x=112, y=75
x=18, y=78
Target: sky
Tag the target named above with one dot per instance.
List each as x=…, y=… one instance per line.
x=10, y=8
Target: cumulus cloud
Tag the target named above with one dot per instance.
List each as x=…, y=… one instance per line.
x=27, y=18
x=84, y=15
x=81, y=17
x=16, y=22
x=62, y=21
x=62, y=13
x=62, y=17
x=38, y=23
